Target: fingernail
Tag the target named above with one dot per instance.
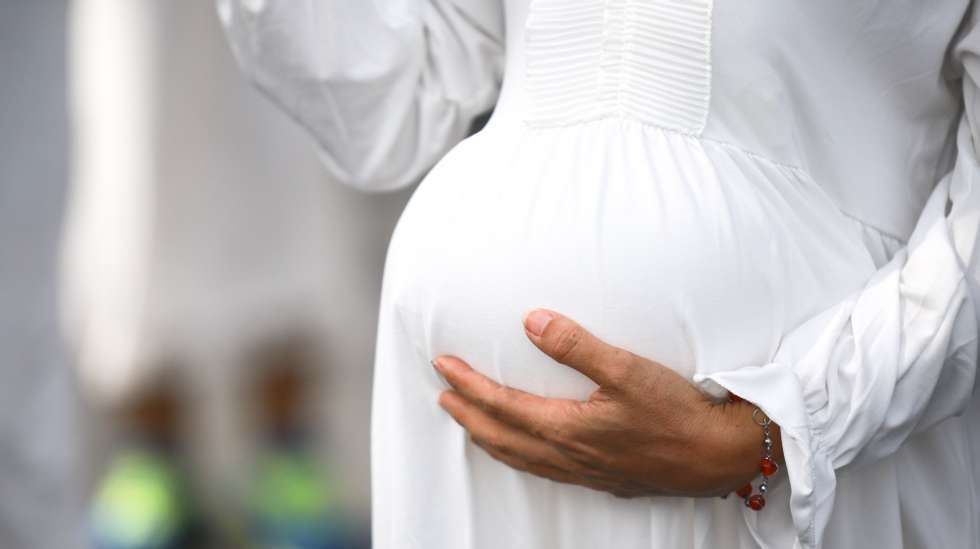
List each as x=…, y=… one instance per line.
x=435, y=364
x=537, y=320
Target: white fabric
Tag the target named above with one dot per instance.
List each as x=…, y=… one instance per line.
x=775, y=198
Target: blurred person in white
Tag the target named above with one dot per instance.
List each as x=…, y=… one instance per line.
x=200, y=239
x=38, y=494
x=748, y=208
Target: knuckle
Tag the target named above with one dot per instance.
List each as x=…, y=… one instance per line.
x=596, y=459
x=606, y=462
x=587, y=472
x=561, y=430
x=567, y=342
x=621, y=364
x=584, y=454
x=486, y=442
x=497, y=398
x=495, y=441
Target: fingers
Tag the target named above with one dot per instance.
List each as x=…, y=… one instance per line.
x=553, y=473
x=542, y=417
x=520, y=450
x=572, y=345
x=493, y=434
x=536, y=469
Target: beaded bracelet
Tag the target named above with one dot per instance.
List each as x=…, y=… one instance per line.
x=767, y=466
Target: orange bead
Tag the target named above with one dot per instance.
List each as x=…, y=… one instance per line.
x=756, y=502
x=768, y=467
x=744, y=491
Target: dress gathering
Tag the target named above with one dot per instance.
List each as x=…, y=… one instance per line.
x=779, y=200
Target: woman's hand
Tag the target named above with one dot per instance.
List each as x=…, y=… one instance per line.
x=644, y=431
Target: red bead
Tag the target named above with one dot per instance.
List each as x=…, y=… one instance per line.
x=732, y=397
x=756, y=502
x=768, y=467
x=744, y=491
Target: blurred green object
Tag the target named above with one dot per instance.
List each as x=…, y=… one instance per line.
x=140, y=503
x=294, y=505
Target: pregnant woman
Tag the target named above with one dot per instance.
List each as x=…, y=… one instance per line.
x=716, y=212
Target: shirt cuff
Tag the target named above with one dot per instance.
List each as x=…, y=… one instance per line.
x=777, y=391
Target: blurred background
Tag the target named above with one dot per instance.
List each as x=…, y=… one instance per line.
x=187, y=303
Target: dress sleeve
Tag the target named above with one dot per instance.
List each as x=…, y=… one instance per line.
x=385, y=87
x=853, y=383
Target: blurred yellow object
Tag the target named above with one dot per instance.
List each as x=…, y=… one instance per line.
x=141, y=503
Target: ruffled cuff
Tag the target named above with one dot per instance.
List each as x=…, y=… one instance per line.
x=776, y=390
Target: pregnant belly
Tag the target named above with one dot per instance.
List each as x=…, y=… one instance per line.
x=692, y=254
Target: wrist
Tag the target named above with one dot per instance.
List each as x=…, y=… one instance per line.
x=734, y=444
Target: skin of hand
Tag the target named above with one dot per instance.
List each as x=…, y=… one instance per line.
x=644, y=431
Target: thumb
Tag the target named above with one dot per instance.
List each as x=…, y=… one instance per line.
x=572, y=345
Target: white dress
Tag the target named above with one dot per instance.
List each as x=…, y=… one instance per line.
x=781, y=199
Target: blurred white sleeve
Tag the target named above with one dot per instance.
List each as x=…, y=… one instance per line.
x=385, y=87
x=852, y=384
